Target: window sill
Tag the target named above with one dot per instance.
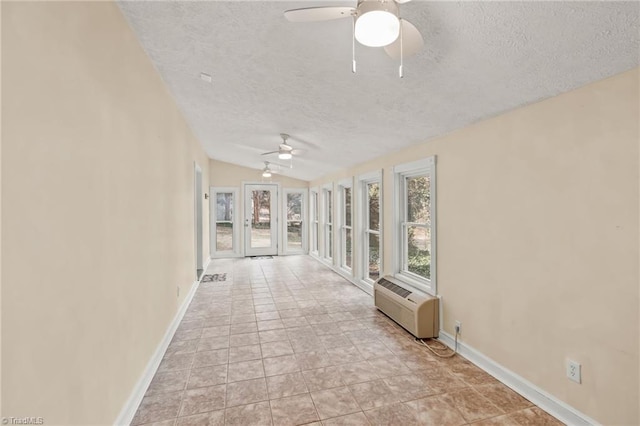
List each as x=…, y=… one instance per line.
x=422, y=285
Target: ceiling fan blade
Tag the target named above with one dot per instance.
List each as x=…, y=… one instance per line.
x=312, y=14
x=270, y=152
x=411, y=41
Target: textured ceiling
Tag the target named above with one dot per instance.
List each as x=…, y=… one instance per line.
x=272, y=76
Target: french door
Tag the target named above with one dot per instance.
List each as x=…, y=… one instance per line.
x=260, y=219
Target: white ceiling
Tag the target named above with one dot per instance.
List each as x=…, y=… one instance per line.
x=272, y=76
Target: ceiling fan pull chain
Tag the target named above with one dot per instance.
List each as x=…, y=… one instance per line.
x=400, y=70
x=353, y=45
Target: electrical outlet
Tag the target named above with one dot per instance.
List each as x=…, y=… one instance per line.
x=458, y=327
x=574, y=371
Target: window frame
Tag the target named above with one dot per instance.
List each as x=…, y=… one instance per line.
x=314, y=222
x=363, y=228
x=236, y=251
x=423, y=167
x=342, y=225
x=328, y=218
x=285, y=221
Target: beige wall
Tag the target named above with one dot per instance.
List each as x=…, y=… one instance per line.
x=0, y=214
x=537, y=226
x=227, y=174
x=538, y=241
x=97, y=210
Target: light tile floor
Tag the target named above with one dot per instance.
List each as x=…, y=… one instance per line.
x=286, y=341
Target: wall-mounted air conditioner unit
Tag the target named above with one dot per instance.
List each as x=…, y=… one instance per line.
x=414, y=310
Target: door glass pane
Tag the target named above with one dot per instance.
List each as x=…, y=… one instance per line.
x=374, y=256
x=294, y=207
x=418, y=199
x=373, y=192
x=419, y=251
x=294, y=235
x=347, y=249
x=261, y=219
x=294, y=221
x=347, y=206
x=329, y=209
x=224, y=221
x=329, y=242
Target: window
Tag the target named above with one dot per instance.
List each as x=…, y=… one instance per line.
x=370, y=185
x=372, y=229
x=328, y=223
x=415, y=234
x=224, y=228
x=346, y=229
x=294, y=210
x=315, y=224
x=224, y=221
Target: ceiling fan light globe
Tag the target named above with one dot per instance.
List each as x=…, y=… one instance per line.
x=285, y=156
x=377, y=28
x=266, y=174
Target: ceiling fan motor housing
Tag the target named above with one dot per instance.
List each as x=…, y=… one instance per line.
x=377, y=23
x=384, y=5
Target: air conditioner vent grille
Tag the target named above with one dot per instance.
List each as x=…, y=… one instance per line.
x=404, y=293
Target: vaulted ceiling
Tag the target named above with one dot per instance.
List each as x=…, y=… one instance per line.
x=271, y=76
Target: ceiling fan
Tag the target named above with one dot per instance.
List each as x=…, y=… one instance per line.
x=268, y=170
x=284, y=151
x=376, y=23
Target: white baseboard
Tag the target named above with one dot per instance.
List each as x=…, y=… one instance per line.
x=226, y=256
x=362, y=285
x=358, y=283
x=129, y=409
x=541, y=398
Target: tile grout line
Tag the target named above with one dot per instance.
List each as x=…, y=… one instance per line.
x=286, y=292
